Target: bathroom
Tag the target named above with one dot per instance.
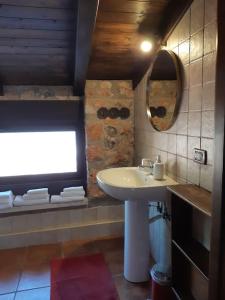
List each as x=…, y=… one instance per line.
x=105, y=104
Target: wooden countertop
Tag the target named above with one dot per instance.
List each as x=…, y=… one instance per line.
x=195, y=196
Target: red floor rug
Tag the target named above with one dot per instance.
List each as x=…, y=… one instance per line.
x=82, y=278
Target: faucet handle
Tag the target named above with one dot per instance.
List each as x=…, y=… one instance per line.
x=146, y=162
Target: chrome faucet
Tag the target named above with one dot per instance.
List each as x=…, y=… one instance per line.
x=146, y=165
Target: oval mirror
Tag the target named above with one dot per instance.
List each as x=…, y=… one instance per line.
x=164, y=90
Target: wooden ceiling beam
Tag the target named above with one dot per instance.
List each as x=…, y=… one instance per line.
x=85, y=24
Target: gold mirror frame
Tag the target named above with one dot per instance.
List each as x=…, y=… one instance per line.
x=179, y=87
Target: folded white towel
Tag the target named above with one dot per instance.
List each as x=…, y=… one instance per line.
x=38, y=191
x=56, y=198
x=60, y=199
x=5, y=206
x=72, y=194
x=6, y=195
x=19, y=201
x=5, y=201
x=73, y=198
x=32, y=198
x=73, y=189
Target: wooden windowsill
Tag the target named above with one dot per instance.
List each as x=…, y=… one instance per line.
x=33, y=209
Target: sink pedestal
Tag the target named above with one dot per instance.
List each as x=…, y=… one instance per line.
x=131, y=185
x=137, y=248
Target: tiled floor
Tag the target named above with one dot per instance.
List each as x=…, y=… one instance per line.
x=25, y=272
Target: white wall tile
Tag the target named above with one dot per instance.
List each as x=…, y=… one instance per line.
x=77, y=216
x=208, y=98
x=182, y=145
x=197, y=15
x=19, y=224
x=208, y=145
x=193, y=142
x=172, y=143
x=194, y=124
x=182, y=123
x=208, y=126
x=90, y=215
x=210, y=10
x=184, y=101
x=186, y=76
x=209, y=68
x=184, y=52
x=196, y=72
x=193, y=172
x=210, y=38
x=184, y=27
x=5, y=225
x=49, y=219
x=182, y=167
x=172, y=165
x=206, y=177
x=195, y=100
x=196, y=46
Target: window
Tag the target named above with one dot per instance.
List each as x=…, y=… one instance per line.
x=42, y=143
x=33, y=153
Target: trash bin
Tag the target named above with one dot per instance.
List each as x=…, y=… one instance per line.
x=161, y=284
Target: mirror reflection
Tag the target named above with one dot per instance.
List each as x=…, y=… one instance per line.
x=164, y=89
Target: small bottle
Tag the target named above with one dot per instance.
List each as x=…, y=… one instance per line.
x=158, y=169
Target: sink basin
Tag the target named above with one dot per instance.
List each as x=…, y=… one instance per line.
x=136, y=188
x=131, y=183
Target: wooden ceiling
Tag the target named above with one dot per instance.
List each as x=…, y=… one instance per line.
x=49, y=41
x=37, y=41
x=120, y=28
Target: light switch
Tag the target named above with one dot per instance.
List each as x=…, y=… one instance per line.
x=200, y=156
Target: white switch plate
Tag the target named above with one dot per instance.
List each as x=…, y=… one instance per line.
x=200, y=156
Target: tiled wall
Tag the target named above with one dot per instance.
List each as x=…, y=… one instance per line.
x=56, y=226
x=194, y=41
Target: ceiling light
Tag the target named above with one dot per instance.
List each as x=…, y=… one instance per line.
x=146, y=46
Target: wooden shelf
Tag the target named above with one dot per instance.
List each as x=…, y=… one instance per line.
x=195, y=196
x=196, y=254
x=188, y=281
x=190, y=258
x=182, y=296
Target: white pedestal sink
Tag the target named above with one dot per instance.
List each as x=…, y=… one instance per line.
x=136, y=188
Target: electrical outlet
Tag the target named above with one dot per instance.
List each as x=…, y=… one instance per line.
x=200, y=156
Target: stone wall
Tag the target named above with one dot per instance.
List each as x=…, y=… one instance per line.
x=109, y=141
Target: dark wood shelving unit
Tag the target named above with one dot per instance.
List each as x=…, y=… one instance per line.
x=182, y=296
x=196, y=254
x=190, y=258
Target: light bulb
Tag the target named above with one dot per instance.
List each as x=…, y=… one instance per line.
x=146, y=46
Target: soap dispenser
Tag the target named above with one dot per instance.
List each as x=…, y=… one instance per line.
x=158, y=169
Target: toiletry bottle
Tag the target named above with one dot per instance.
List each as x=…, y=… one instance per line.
x=158, y=169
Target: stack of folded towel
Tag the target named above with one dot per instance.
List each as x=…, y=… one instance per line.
x=32, y=197
x=6, y=199
x=71, y=194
